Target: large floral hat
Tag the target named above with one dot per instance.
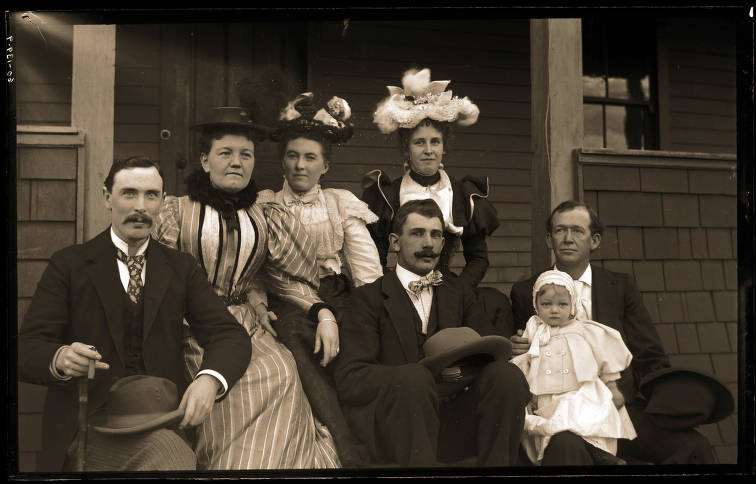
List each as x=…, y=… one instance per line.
x=330, y=121
x=422, y=98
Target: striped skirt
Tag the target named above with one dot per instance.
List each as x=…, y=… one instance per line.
x=265, y=421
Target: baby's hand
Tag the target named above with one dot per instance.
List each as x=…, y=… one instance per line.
x=617, y=398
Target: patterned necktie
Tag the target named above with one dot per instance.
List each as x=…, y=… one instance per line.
x=432, y=279
x=135, y=264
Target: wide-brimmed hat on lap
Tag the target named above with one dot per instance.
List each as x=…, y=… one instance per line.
x=682, y=398
x=230, y=117
x=456, y=356
x=139, y=403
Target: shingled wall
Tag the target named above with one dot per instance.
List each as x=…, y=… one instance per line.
x=671, y=221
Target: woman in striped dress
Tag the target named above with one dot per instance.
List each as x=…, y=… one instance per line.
x=246, y=248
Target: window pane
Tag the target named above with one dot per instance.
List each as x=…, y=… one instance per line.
x=594, y=86
x=593, y=130
x=624, y=127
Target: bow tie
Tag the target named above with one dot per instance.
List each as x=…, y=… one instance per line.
x=432, y=279
x=306, y=199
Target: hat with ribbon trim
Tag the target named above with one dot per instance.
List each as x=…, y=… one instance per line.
x=420, y=98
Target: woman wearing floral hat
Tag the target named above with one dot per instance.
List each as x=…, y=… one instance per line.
x=421, y=113
x=335, y=221
x=246, y=248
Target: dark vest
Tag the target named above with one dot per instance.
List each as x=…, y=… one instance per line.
x=133, y=321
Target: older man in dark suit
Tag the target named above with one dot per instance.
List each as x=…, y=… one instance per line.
x=120, y=299
x=573, y=232
x=391, y=401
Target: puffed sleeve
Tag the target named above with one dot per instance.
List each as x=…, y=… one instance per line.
x=612, y=356
x=168, y=225
x=290, y=268
x=360, y=253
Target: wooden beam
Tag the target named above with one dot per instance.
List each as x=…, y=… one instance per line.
x=556, y=72
x=92, y=112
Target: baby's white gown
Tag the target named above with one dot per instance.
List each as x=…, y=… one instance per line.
x=567, y=368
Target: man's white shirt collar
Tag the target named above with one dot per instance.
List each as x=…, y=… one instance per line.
x=405, y=276
x=119, y=243
x=586, y=278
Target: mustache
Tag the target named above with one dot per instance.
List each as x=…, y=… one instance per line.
x=427, y=253
x=144, y=218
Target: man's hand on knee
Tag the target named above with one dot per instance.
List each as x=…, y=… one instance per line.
x=198, y=400
x=520, y=344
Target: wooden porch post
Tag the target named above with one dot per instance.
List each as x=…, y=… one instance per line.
x=556, y=73
x=92, y=112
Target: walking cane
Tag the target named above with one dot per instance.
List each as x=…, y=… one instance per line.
x=83, y=416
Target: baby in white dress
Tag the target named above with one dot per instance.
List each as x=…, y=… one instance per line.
x=572, y=367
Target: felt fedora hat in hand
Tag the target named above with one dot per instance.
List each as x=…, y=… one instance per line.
x=682, y=398
x=456, y=355
x=230, y=117
x=139, y=403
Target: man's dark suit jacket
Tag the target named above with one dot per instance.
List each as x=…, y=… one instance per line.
x=378, y=335
x=80, y=297
x=615, y=302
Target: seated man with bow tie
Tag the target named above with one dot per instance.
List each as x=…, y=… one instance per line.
x=120, y=300
x=392, y=402
x=573, y=231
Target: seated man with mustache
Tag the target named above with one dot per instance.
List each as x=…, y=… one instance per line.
x=390, y=400
x=120, y=300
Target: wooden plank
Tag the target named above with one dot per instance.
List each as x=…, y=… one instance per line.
x=342, y=64
x=702, y=60
x=43, y=93
x=55, y=163
x=701, y=106
x=92, y=110
x=703, y=121
x=28, y=275
x=140, y=133
x=23, y=199
x=418, y=55
x=703, y=76
x=53, y=200
x=703, y=137
x=47, y=113
x=137, y=76
x=129, y=149
x=40, y=240
x=704, y=91
x=147, y=95
x=125, y=113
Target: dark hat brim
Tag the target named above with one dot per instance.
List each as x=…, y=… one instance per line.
x=497, y=346
x=724, y=402
x=99, y=423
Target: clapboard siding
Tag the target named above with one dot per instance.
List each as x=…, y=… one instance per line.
x=487, y=61
x=699, y=61
x=43, y=66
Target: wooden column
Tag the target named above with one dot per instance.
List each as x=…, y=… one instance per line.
x=556, y=73
x=92, y=112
